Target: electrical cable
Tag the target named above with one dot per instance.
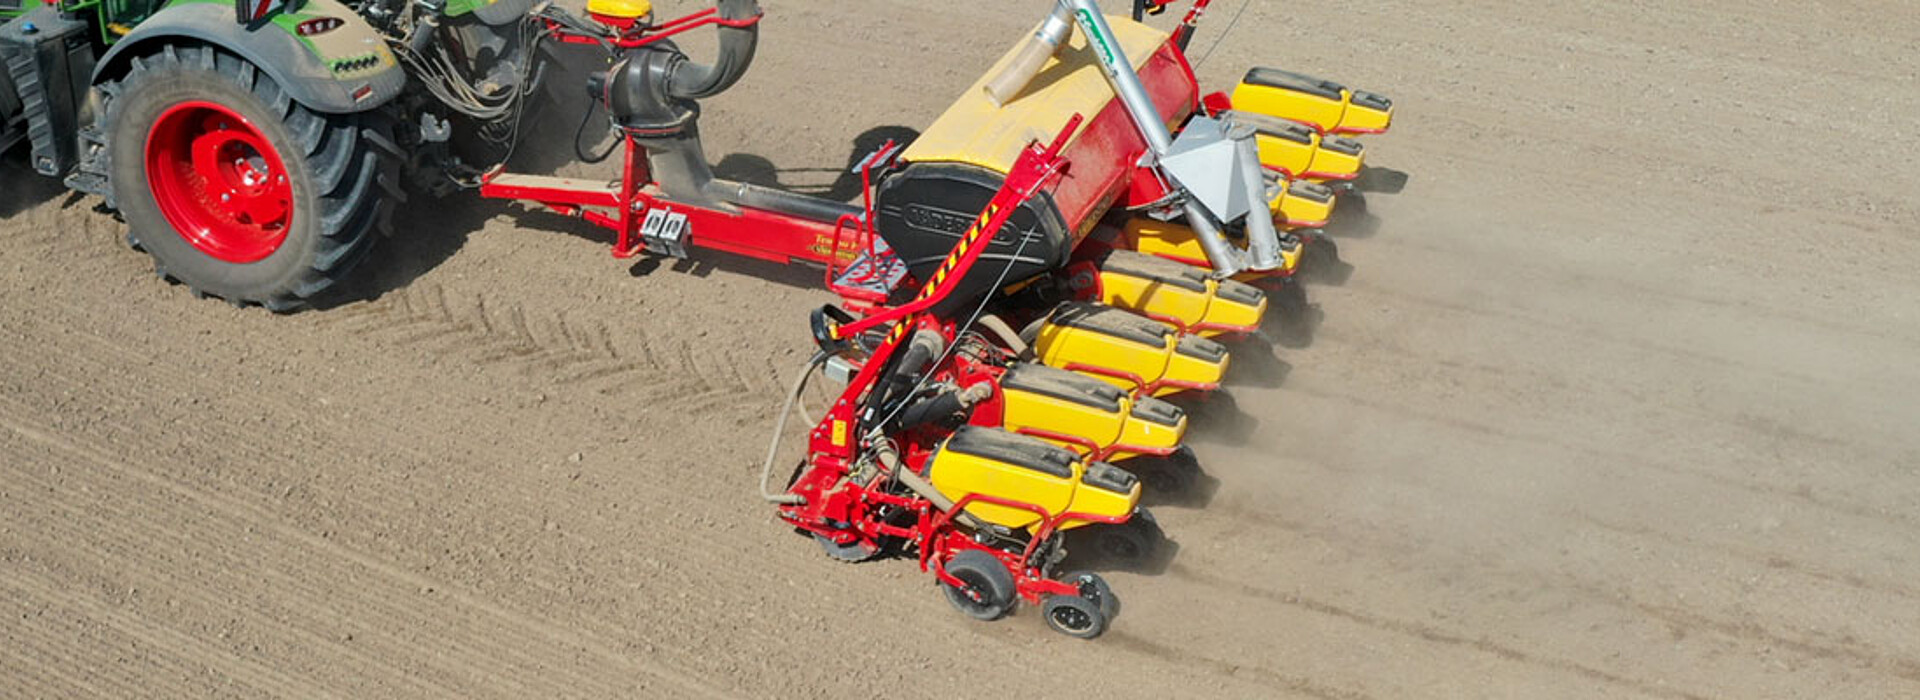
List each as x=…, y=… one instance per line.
x=580, y=149
x=1223, y=34
x=934, y=366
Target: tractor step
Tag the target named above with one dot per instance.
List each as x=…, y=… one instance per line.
x=90, y=176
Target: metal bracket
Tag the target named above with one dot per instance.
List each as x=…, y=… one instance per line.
x=666, y=231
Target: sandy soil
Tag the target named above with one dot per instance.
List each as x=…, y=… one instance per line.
x=1618, y=400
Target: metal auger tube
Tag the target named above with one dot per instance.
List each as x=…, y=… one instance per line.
x=1120, y=73
x=1226, y=259
x=1263, y=240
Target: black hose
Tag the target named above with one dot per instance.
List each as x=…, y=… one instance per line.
x=580, y=149
x=692, y=81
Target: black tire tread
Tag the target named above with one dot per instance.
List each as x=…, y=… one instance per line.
x=997, y=579
x=350, y=159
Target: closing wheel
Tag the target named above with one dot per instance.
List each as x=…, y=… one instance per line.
x=235, y=189
x=1094, y=588
x=1074, y=616
x=853, y=552
x=988, y=590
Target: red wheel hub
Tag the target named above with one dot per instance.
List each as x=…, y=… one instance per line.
x=219, y=182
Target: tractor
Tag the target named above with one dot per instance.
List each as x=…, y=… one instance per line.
x=1022, y=288
x=256, y=148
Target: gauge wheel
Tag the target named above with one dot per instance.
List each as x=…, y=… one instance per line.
x=987, y=591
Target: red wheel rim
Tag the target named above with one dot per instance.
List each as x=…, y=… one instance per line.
x=219, y=182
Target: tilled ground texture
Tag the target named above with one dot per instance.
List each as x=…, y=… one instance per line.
x=1616, y=399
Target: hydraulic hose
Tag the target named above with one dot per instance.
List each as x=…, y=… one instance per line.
x=903, y=379
x=1013, y=341
x=945, y=406
x=890, y=461
x=425, y=24
x=780, y=429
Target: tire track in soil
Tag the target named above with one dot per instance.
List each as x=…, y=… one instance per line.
x=1751, y=429
x=1293, y=684
x=375, y=502
x=567, y=353
x=188, y=649
x=1428, y=633
x=1843, y=647
x=1228, y=508
x=1582, y=280
x=41, y=665
x=1846, y=647
x=1746, y=431
x=244, y=451
x=1527, y=320
x=1758, y=559
x=403, y=584
x=1619, y=458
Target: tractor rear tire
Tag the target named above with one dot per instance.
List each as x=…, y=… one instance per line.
x=989, y=590
x=236, y=190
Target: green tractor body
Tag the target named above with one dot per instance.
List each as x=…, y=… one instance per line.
x=254, y=146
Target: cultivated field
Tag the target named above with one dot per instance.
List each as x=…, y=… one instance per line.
x=1618, y=398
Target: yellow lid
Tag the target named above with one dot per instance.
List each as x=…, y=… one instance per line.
x=626, y=9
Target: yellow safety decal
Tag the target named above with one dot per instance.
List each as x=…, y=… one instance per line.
x=839, y=433
x=967, y=242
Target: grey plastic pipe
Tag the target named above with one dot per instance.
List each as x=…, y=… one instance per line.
x=1032, y=55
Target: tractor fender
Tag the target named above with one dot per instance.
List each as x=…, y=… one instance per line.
x=343, y=70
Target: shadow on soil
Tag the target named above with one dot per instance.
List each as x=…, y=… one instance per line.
x=1137, y=546
x=1291, y=319
x=1140, y=546
x=1256, y=363
x=1176, y=480
x=429, y=230
x=1217, y=417
x=20, y=187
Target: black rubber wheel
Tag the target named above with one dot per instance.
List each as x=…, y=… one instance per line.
x=236, y=190
x=1074, y=616
x=988, y=594
x=1095, y=588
